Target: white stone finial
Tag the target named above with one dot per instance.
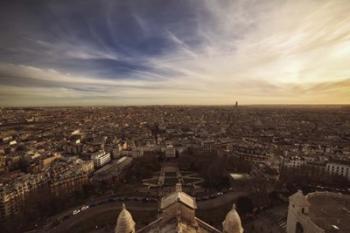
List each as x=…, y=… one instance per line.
x=178, y=187
x=125, y=222
x=232, y=222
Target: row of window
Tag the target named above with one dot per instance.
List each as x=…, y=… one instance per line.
x=338, y=169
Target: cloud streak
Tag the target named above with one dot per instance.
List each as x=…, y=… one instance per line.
x=175, y=52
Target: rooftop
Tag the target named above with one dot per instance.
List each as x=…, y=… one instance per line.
x=178, y=197
x=330, y=211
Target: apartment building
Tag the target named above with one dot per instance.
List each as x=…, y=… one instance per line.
x=339, y=167
x=101, y=158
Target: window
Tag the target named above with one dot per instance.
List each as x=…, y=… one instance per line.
x=299, y=228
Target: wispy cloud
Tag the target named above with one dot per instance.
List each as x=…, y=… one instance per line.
x=176, y=52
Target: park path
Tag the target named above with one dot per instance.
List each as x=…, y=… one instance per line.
x=226, y=199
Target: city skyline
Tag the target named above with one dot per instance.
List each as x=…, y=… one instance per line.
x=57, y=53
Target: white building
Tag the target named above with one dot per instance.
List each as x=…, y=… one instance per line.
x=319, y=212
x=101, y=158
x=339, y=168
x=170, y=151
x=293, y=162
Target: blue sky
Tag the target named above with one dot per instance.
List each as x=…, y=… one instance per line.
x=99, y=52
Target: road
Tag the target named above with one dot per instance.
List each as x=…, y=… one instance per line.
x=228, y=198
x=91, y=212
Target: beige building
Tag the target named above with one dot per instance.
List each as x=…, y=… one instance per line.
x=68, y=182
x=318, y=212
x=68, y=175
x=13, y=194
x=178, y=214
x=46, y=162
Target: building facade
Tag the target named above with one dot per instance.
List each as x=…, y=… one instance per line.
x=101, y=158
x=13, y=194
x=339, y=168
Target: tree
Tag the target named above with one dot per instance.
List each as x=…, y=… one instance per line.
x=244, y=205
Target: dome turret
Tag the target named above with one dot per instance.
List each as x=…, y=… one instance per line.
x=232, y=223
x=125, y=222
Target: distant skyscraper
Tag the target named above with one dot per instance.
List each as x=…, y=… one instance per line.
x=236, y=104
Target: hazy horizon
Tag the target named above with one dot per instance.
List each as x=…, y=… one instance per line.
x=182, y=105
x=141, y=53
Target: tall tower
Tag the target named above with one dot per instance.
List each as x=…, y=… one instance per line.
x=298, y=211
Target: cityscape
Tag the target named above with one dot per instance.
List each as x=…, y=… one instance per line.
x=72, y=169
x=175, y=116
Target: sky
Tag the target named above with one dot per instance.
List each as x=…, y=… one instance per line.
x=149, y=52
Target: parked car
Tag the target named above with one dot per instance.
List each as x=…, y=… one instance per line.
x=85, y=207
x=76, y=212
